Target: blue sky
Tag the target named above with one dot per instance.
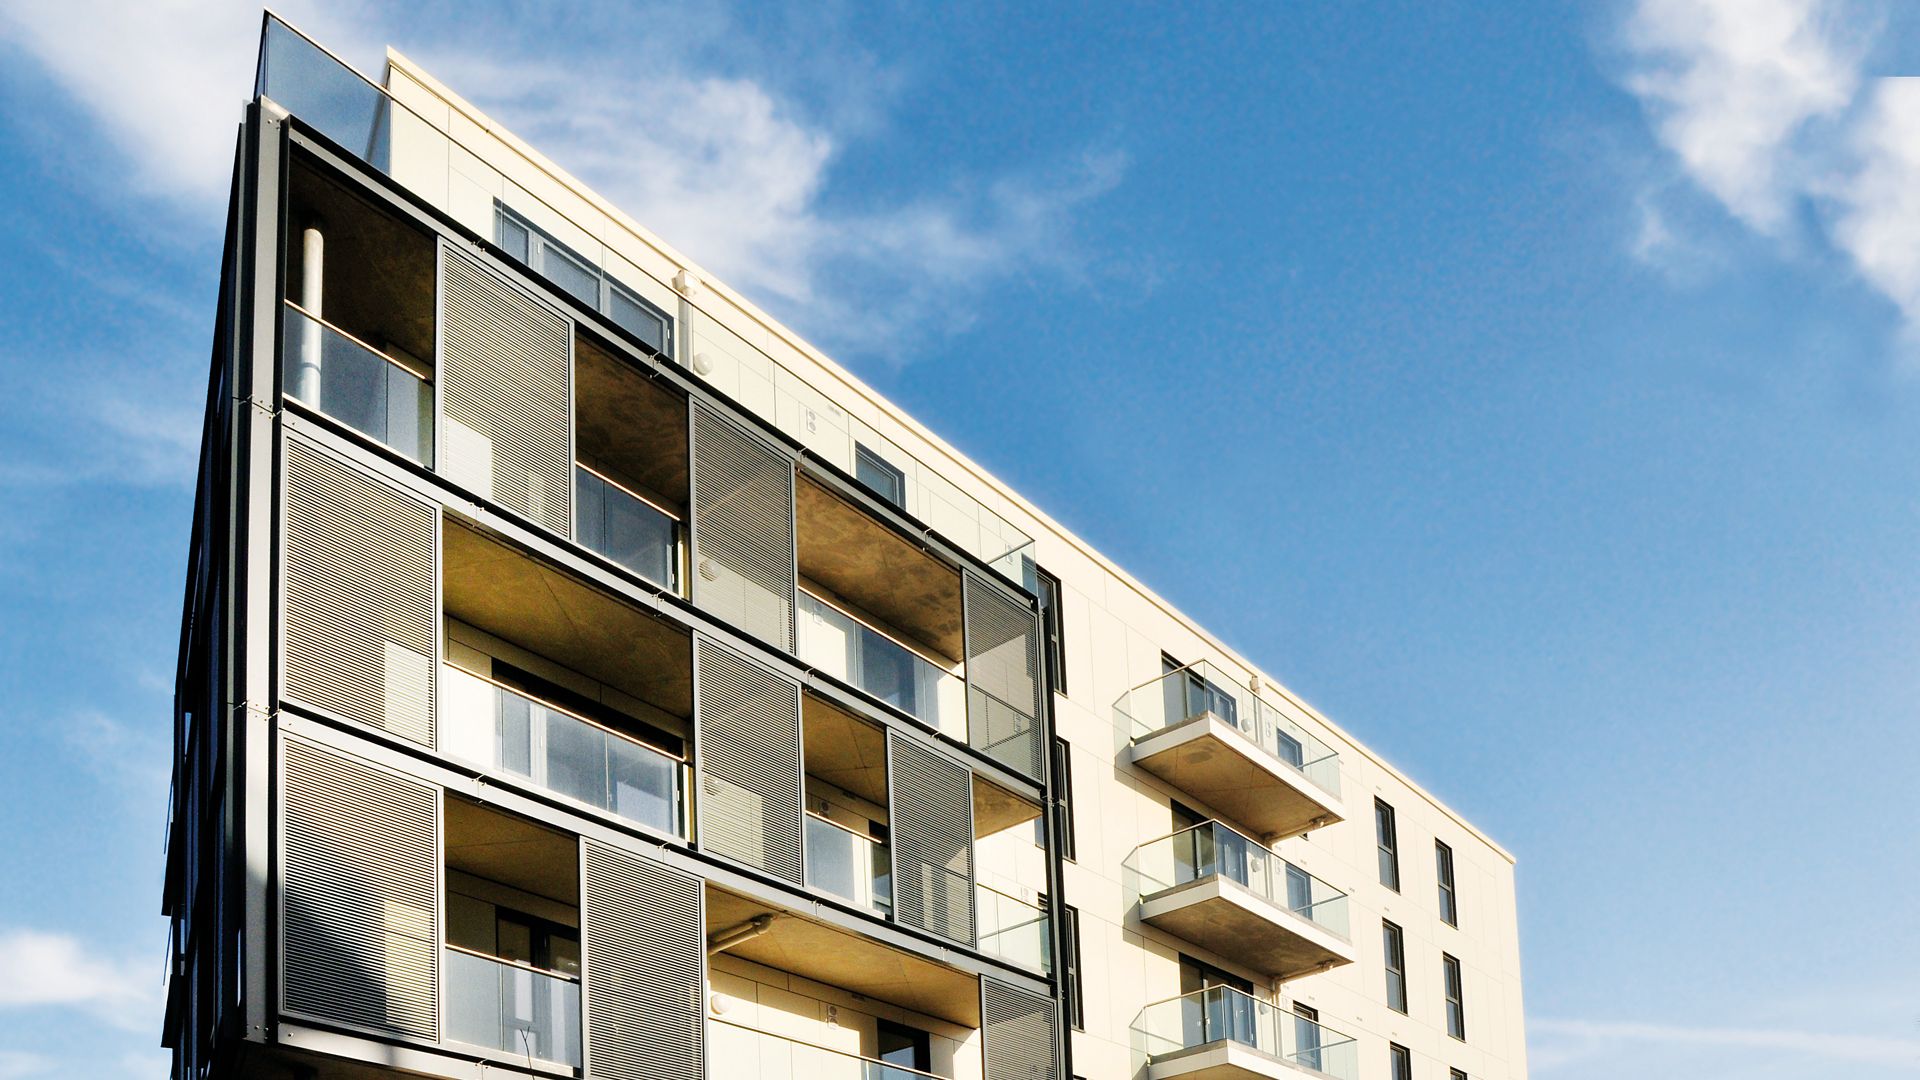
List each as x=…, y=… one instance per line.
x=1533, y=386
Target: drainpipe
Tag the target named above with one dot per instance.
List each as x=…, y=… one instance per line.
x=306, y=371
x=746, y=931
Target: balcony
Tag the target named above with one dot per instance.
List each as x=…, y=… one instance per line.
x=1227, y=893
x=356, y=384
x=1233, y=750
x=1012, y=929
x=851, y=865
x=631, y=476
x=516, y=1008
x=616, y=522
x=1222, y=1034
x=737, y=1050
x=503, y=730
x=856, y=652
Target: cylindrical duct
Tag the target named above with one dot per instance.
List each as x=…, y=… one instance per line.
x=306, y=368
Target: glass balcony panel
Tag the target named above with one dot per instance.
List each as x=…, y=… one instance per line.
x=512, y=1008
x=848, y=865
x=1199, y=690
x=846, y=648
x=736, y=1050
x=324, y=93
x=499, y=729
x=1220, y=1014
x=627, y=529
x=356, y=385
x=1013, y=929
x=1211, y=849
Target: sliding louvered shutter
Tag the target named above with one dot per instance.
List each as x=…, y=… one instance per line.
x=742, y=529
x=749, y=762
x=1019, y=1031
x=359, y=893
x=504, y=366
x=1003, y=678
x=932, y=833
x=644, y=948
x=359, y=601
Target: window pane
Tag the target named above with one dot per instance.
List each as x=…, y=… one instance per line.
x=638, y=319
x=513, y=238
x=571, y=275
x=874, y=471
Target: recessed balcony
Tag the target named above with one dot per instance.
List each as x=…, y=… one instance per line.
x=1227, y=893
x=1222, y=1034
x=1233, y=750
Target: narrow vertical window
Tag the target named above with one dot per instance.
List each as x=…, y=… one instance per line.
x=879, y=475
x=1401, y=1061
x=1456, y=1008
x=1387, y=838
x=1076, y=998
x=1063, y=797
x=1443, y=871
x=1306, y=1036
x=1394, y=952
x=1051, y=627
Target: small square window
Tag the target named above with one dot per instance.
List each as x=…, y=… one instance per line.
x=880, y=476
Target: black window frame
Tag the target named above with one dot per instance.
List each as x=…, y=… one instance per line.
x=869, y=465
x=918, y=1042
x=538, y=239
x=1399, y=1062
x=1063, y=799
x=1052, y=629
x=1393, y=958
x=1454, y=990
x=1386, y=833
x=1456, y=1074
x=1072, y=977
x=1443, y=874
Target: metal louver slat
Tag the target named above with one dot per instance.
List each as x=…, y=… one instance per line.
x=1003, y=679
x=1019, y=1031
x=644, y=947
x=359, y=894
x=742, y=529
x=505, y=361
x=359, y=595
x=749, y=762
x=932, y=832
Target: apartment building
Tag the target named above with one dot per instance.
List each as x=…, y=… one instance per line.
x=580, y=675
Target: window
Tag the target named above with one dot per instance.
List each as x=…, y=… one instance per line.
x=1456, y=1074
x=577, y=277
x=1190, y=695
x=1050, y=626
x=1443, y=871
x=1400, y=1060
x=879, y=476
x=1063, y=797
x=1386, y=837
x=1306, y=1036
x=1456, y=1009
x=906, y=1047
x=1070, y=939
x=1393, y=948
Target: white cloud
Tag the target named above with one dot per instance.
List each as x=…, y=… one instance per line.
x=60, y=971
x=1878, y=217
x=17, y=1064
x=1731, y=83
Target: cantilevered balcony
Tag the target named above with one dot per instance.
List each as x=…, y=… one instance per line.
x=1222, y=1034
x=1227, y=893
x=1230, y=748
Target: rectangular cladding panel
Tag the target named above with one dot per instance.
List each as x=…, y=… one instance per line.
x=643, y=968
x=749, y=762
x=359, y=595
x=742, y=529
x=1003, y=678
x=359, y=893
x=932, y=833
x=505, y=366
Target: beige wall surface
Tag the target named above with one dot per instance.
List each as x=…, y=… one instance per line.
x=1115, y=630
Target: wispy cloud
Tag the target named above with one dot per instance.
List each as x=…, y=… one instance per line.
x=730, y=166
x=1767, y=108
x=54, y=970
x=131, y=761
x=1555, y=1045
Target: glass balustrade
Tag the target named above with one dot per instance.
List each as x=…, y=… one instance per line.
x=739, y=1050
x=503, y=730
x=376, y=124
x=848, y=864
x=1220, y=1014
x=1013, y=929
x=850, y=650
x=521, y=1010
x=368, y=391
x=1201, y=690
x=1211, y=849
x=631, y=531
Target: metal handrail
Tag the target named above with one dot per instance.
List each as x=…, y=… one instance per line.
x=827, y=1049
x=523, y=965
x=321, y=320
x=568, y=713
